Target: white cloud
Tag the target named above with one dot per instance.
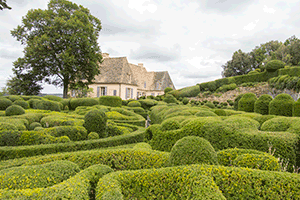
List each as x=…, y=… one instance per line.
x=269, y=10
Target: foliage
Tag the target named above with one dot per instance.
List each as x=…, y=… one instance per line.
x=185, y=101
x=134, y=104
x=167, y=89
x=9, y=138
x=48, y=105
x=74, y=103
x=238, y=122
x=53, y=98
x=261, y=119
x=274, y=65
x=192, y=150
x=170, y=124
x=278, y=124
x=14, y=110
x=246, y=103
x=23, y=84
x=22, y=103
x=209, y=104
x=261, y=105
x=60, y=120
x=226, y=88
x=236, y=101
x=296, y=108
x=147, y=103
x=93, y=136
x=5, y=103
x=282, y=104
x=3, y=5
x=112, y=101
x=75, y=133
x=33, y=125
x=206, y=113
x=95, y=121
x=170, y=99
x=52, y=52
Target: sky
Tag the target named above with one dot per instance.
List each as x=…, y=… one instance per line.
x=191, y=39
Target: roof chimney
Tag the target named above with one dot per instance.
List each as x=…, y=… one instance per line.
x=105, y=55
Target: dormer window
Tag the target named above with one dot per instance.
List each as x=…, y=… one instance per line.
x=145, y=84
x=157, y=86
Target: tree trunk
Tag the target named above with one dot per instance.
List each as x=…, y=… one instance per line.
x=65, y=93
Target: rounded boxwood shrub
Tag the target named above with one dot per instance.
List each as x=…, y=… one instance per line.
x=296, y=108
x=192, y=150
x=210, y=104
x=9, y=138
x=74, y=103
x=95, y=121
x=257, y=161
x=261, y=119
x=185, y=101
x=236, y=101
x=170, y=99
x=170, y=124
x=274, y=65
x=220, y=112
x=278, y=124
x=147, y=103
x=261, y=106
x=5, y=103
x=14, y=110
x=93, y=136
x=206, y=113
x=53, y=98
x=167, y=89
x=246, y=103
x=282, y=104
x=4, y=126
x=113, y=101
x=14, y=97
x=22, y=103
x=48, y=105
x=134, y=104
x=237, y=122
x=33, y=125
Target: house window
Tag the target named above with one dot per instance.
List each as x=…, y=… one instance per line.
x=115, y=92
x=145, y=84
x=103, y=91
x=128, y=93
x=152, y=94
x=157, y=94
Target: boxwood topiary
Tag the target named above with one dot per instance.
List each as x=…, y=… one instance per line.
x=296, y=108
x=95, y=121
x=257, y=161
x=33, y=125
x=93, y=136
x=14, y=97
x=279, y=123
x=4, y=126
x=246, y=103
x=134, y=104
x=14, y=110
x=236, y=101
x=48, y=105
x=170, y=99
x=192, y=150
x=262, y=104
x=261, y=119
x=22, y=103
x=9, y=138
x=170, y=124
x=113, y=101
x=282, y=104
x=206, y=113
x=5, y=103
x=185, y=101
x=74, y=103
x=210, y=104
x=274, y=65
x=220, y=112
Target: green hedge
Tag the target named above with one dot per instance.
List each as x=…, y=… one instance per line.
x=147, y=103
x=167, y=183
x=296, y=108
x=82, y=110
x=239, y=122
x=26, y=151
x=76, y=187
x=262, y=104
x=282, y=104
x=75, y=133
x=37, y=176
x=14, y=110
x=60, y=120
x=22, y=103
x=274, y=65
x=246, y=103
x=48, y=105
x=95, y=121
x=112, y=101
x=236, y=101
x=279, y=123
x=226, y=88
x=74, y=103
x=5, y=103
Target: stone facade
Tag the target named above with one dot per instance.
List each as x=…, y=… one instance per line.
x=120, y=78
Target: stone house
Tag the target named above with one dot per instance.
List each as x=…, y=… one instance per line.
x=120, y=78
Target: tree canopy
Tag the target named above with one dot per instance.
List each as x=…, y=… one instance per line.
x=3, y=5
x=60, y=45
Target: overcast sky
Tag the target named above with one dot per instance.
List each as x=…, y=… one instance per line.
x=190, y=39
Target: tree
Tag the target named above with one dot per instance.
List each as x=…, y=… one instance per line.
x=3, y=5
x=23, y=85
x=60, y=45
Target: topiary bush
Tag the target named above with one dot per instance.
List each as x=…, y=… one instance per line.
x=5, y=103
x=278, y=124
x=236, y=101
x=93, y=136
x=261, y=119
x=95, y=121
x=246, y=103
x=192, y=150
x=282, y=104
x=296, y=108
x=53, y=98
x=170, y=99
x=210, y=104
x=170, y=124
x=14, y=97
x=74, y=103
x=134, y=104
x=22, y=103
x=9, y=138
x=220, y=112
x=274, y=65
x=261, y=106
x=14, y=110
x=147, y=103
x=206, y=113
x=257, y=161
x=113, y=101
x=167, y=89
x=33, y=125
x=237, y=122
x=185, y=101
x=48, y=105
x=4, y=126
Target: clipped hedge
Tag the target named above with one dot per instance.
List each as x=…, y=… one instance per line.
x=37, y=176
x=5, y=103
x=279, y=123
x=112, y=101
x=167, y=183
x=274, y=65
x=236, y=123
x=95, y=121
x=296, y=108
x=170, y=124
x=282, y=104
x=60, y=120
x=236, y=101
x=82, y=110
x=263, y=118
x=147, y=103
x=27, y=151
x=14, y=110
x=170, y=99
x=74, y=103
x=76, y=187
x=75, y=133
x=48, y=105
x=246, y=103
x=134, y=104
x=261, y=106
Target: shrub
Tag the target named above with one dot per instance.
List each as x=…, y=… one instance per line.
x=33, y=103
x=14, y=110
x=261, y=119
x=4, y=126
x=170, y=124
x=138, y=110
x=9, y=138
x=82, y=110
x=274, y=65
x=278, y=124
x=167, y=89
x=113, y=101
x=134, y=104
x=59, y=120
x=48, y=105
x=226, y=88
x=257, y=161
x=220, y=112
x=236, y=122
x=185, y=101
x=75, y=133
x=296, y=108
x=14, y=97
x=112, y=129
x=282, y=104
x=206, y=113
x=209, y=104
x=236, y=101
x=22, y=103
x=33, y=125
x=95, y=121
x=74, y=103
x=5, y=103
x=230, y=102
x=147, y=103
x=93, y=136
x=37, y=176
x=142, y=145
x=170, y=99
x=192, y=150
x=253, y=72
x=246, y=103
x=262, y=104
x=53, y=98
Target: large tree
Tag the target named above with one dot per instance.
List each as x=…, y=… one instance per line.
x=23, y=85
x=3, y=5
x=60, y=45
